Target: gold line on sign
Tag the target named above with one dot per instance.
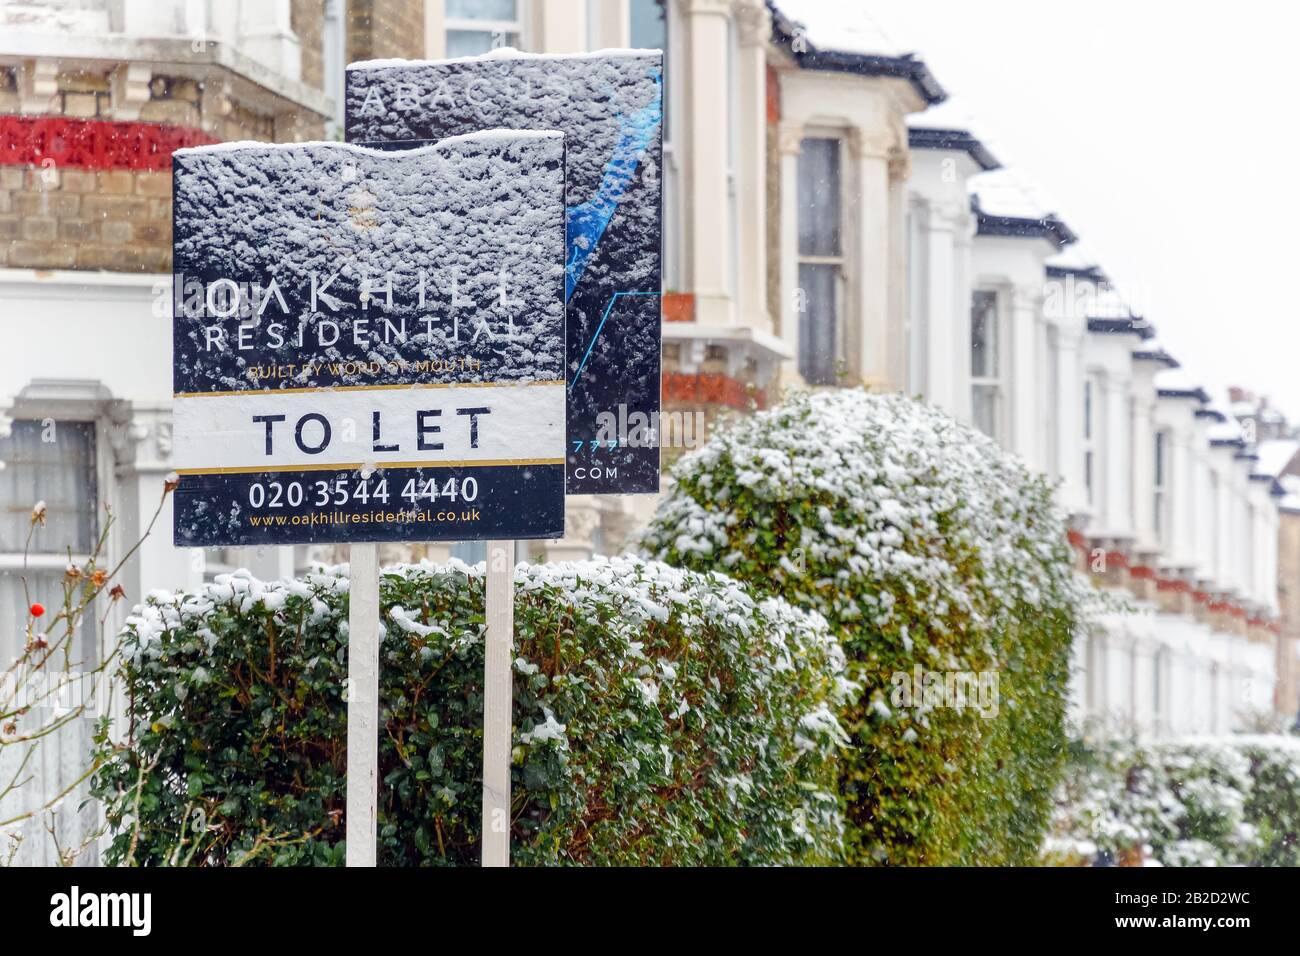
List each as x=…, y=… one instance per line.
x=367, y=388
x=379, y=466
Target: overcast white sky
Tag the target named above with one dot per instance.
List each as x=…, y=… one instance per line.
x=1168, y=136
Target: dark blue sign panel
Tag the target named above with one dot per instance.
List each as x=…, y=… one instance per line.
x=610, y=107
x=369, y=346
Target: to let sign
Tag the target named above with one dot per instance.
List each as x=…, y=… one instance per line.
x=610, y=107
x=369, y=346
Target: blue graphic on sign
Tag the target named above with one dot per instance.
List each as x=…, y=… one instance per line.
x=586, y=355
x=587, y=221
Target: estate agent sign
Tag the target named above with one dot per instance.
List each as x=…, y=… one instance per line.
x=370, y=346
x=609, y=105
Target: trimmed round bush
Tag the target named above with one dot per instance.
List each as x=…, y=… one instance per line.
x=940, y=563
x=660, y=717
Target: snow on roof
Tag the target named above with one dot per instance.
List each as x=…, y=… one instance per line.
x=950, y=114
x=1227, y=430
x=1109, y=304
x=1275, y=455
x=1007, y=192
x=1076, y=256
x=1175, y=379
x=1291, y=500
x=839, y=26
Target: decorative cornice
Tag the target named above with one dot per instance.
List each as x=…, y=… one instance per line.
x=1121, y=325
x=753, y=22
x=790, y=139
x=953, y=139
x=1157, y=355
x=1049, y=227
x=1197, y=394
x=1078, y=273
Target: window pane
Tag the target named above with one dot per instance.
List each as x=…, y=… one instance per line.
x=474, y=42
x=482, y=9
x=471, y=552
x=54, y=464
x=984, y=409
x=817, y=324
x=1087, y=409
x=646, y=29
x=984, y=335
x=819, y=197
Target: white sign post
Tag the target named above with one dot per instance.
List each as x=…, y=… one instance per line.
x=363, y=705
x=497, y=694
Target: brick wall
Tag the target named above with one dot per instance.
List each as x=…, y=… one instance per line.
x=378, y=29
x=85, y=219
x=94, y=210
x=307, y=18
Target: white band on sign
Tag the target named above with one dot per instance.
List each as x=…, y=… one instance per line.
x=351, y=427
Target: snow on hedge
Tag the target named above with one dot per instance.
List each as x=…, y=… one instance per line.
x=1207, y=801
x=927, y=548
x=661, y=716
x=894, y=489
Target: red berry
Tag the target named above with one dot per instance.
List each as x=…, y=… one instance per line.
x=37, y=609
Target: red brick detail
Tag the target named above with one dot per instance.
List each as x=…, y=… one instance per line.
x=1142, y=572
x=708, y=389
x=678, y=306
x=1078, y=539
x=1117, y=559
x=93, y=144
x=773, y=96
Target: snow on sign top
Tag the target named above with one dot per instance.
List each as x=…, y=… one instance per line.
x=327, y=257
x=610, y=106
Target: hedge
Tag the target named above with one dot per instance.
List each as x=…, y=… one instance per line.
x=660, y=717
x=930, y=552
x=1225, y=801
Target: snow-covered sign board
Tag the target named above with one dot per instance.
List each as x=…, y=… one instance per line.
x=610, y=107
x=369, y=346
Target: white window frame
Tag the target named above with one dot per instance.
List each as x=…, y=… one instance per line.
x=994, y=384
x=12, y=562
x=839, y=260
x=517, y=26
x=1091, y=416
x=1160, y=459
